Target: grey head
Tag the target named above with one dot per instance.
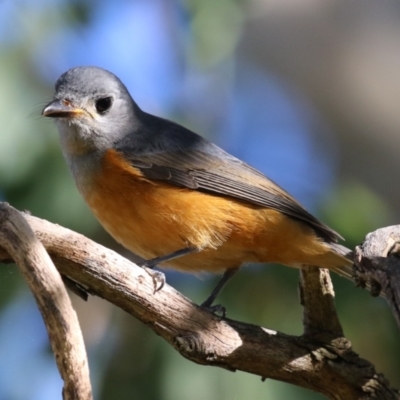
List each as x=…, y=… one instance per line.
x=92, y=109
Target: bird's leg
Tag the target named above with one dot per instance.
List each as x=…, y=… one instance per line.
x=75, y=287
x=171, y=256
x=228, y=274
x=157, y=276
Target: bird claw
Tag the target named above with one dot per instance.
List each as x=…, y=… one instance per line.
x=218, y=309
x=150, y=264
x=158, y=279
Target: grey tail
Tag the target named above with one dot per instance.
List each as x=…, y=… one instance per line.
x=345, y=270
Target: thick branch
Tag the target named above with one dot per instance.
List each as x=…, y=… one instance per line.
x=329, y=367
x=53, y=301
x=377, y=264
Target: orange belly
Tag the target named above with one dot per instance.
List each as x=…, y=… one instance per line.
x=153, y=219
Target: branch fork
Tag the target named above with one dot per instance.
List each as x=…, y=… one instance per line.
x=321, y=359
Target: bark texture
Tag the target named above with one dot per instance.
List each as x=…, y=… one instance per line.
x=321, y=359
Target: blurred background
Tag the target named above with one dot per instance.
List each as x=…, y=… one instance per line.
x=308, y=92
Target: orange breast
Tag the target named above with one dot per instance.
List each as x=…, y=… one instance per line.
x=152, y=218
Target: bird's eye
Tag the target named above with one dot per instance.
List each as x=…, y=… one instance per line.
x=103, y=104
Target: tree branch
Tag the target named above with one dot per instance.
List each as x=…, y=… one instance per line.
x=317, y=297
x=45, y=282
x=377, y=264
x=323, y=363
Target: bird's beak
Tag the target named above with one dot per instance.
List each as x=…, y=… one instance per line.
x=61, y=109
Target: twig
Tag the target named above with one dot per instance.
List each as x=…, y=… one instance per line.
x=17, y=237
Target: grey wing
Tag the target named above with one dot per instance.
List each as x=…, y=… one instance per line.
x=214, y=171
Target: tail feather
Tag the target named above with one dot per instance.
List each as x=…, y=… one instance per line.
x=343, y=251
x=346, y=269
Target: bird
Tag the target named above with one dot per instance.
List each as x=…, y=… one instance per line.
x=174, y=198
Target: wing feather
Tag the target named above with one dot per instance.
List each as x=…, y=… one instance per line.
x=217, y=172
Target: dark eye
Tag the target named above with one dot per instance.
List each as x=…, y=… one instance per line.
x=103, y=104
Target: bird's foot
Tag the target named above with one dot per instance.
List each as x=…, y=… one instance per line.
x=158, y=278
x=217, y=309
